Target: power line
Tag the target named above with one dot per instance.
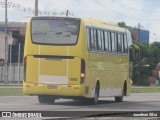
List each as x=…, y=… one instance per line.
x=123, y=14
x=150, y=11
x=32, y=11
x=36, y=7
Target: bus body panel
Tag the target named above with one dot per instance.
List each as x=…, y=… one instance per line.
x=111, y=74
x=53, y=70
x=53, y=65
x=51, y=89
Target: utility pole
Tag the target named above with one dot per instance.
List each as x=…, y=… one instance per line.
x=67, y=13
x=6, y=43
x=139, y=28
x=36, y=7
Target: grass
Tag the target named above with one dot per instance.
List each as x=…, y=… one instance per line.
x=145, y=89
x=11, y=91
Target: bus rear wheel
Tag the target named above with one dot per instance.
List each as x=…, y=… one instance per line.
x=46, y=99
x=120, y=98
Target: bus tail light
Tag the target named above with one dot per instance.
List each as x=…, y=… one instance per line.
x=83, y=66
x=25, y=63
x=82, y=74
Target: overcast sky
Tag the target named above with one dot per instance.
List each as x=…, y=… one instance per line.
x=132, y=12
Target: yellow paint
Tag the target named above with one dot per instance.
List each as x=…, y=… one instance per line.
x=110, y=70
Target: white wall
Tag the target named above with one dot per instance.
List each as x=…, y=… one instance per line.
x=2, y=43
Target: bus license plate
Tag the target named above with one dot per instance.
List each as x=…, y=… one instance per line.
x=51, y=86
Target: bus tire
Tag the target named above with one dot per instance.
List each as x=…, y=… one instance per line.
x=120, y=98
x=94, y=100
x=46, y=99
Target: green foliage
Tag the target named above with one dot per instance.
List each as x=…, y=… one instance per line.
x=154, y=51
x=150, y=57
x=145, y=89
x=11, y=91
x=140, y=71
x=122, y=24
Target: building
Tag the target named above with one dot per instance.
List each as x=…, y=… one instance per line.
x=16, y=35
x=155, y=77
x=139, y=35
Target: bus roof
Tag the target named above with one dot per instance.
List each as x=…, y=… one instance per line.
x=92, y=22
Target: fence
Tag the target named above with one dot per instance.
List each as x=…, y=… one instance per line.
x=15, y=73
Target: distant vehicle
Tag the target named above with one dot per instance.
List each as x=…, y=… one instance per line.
x=76, y=58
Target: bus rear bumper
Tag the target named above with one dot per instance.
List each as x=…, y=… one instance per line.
x=49, y=89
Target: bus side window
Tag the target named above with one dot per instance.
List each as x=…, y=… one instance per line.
x=125, y=44
x=99, y=42
x=113, y=41
x=129, y=39
x=122, y=40
x=102, y=40
x=92, y=45
x=89, y=39
x=106, y=41
x=116, y=42
x=109, y=42
x=95, y=39
x=119, y=43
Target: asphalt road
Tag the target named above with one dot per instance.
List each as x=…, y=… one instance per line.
x=135, y=102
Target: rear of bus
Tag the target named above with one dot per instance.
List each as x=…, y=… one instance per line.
x=54, y=58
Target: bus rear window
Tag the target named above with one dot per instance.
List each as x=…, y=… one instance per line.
x=62, y=31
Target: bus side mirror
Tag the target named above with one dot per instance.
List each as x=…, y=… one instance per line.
x=134, y=55
x=137, y=55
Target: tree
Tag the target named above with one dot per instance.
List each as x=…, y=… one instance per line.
x=122, y=24
x=150, y=57
x=154, y=53
x=140, y=70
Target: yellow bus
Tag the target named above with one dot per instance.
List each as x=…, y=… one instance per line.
x=76, y=58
